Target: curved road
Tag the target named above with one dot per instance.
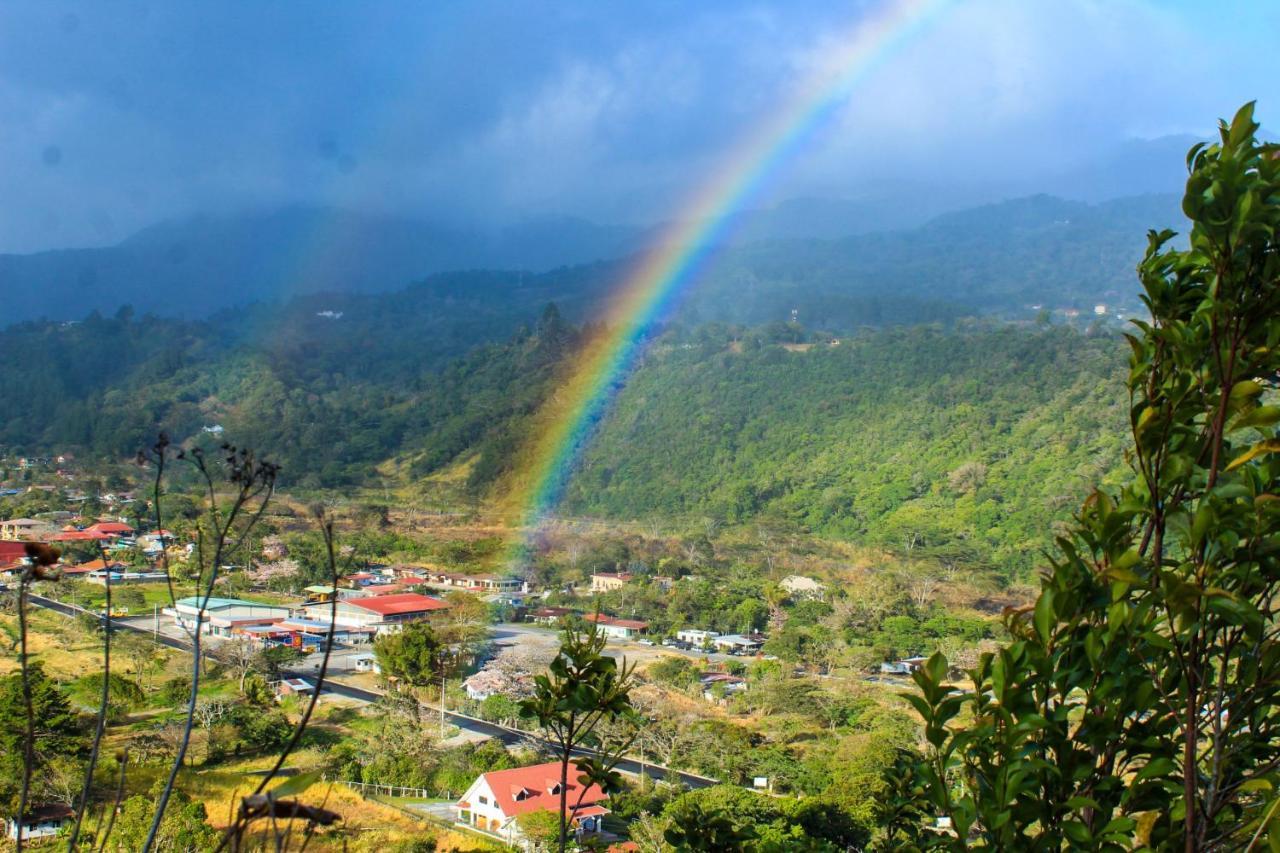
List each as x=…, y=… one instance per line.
x=462, y=721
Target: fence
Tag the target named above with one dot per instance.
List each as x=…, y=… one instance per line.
x=368, y=788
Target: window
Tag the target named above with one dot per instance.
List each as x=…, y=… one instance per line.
x=484, y=801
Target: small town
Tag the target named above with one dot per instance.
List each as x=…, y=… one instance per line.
x=462, y=646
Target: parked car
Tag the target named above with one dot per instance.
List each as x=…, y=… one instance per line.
x=646, y=642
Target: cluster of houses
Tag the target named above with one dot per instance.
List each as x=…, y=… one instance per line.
x=306, y=626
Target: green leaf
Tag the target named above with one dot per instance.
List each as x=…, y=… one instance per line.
x=295, y=785
x=1270, y=445
x=1044, y=615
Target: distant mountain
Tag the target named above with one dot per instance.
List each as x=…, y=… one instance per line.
x=475, y=285
x=196, y=266
x=999, y=258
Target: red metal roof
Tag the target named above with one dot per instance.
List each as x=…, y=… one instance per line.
x=11, y=550
x=384, y=589
x=112, y=528
x=537, y=784
x=396, y=605
x=633, y=624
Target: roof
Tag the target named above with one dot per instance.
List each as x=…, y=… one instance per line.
x=109, y=527
x=384, y=589
x=218, y=603
x=535, y=785
x=49, y=811
x=396, y=605
x=634, y=624
x=98, y=565
x=318, y=587
x=11, y=550
x=78, y=536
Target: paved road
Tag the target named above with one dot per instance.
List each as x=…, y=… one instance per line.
x=462, y=721
x=522, y=632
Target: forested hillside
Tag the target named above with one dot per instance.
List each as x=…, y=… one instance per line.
x=972, y=440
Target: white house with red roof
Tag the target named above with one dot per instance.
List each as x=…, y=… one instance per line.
x=381, y=612
x=622, y=629
x=495, y=800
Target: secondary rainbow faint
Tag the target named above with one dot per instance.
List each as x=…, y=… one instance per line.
x=571, y=416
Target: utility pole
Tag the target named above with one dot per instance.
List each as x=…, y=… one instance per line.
x=155, y=616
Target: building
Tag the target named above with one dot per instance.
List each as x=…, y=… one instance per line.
x=549, y=615
x=728, y=684
x=379, y=612
x=25, y=528
x=697, y=639
x=906, y=666
x=609, y=581
x=223, y=615
x=620, y=629
x=113, y=529
x=495, y=800
x=41, y=821
x=12, y=552
x=739, y=644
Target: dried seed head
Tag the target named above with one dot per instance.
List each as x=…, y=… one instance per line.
x=42, y=554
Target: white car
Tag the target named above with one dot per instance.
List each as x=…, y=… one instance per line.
x=646, y=642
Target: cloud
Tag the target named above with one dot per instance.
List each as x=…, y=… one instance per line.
x=117, y=115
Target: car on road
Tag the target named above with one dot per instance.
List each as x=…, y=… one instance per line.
x=646, y=642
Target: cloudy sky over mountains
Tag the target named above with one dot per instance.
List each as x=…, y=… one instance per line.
x=119, y=114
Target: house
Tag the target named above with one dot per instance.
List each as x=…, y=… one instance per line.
x=697, y=639
x=114, y=529
x=294, y=687
x=384, y=588
x=364, y=662
x=379, y=612
x=24, y=528
x=726, y=682
x=549, y=615
x=41, y=821
x=609, y=581
x=664, y=582
x=739, y=644
x=223, y=615
x=319, y=592
x=621, y=629
x=906, y=666
x=495, y=800
x=12, y=552
x=74, y=535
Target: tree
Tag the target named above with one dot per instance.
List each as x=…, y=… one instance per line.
x=185, y=826
x=239, y=654
x=271, y=660
x=57, y=732
x=138, y=649
x=541, y=827
x=582, y=689
x=413, y=654
x=1145, y=681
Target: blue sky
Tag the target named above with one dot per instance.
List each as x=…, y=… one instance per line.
x=114, y=115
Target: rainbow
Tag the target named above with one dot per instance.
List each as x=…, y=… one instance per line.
x=570, y=417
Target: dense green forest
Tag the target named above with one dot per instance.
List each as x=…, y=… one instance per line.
x=979, y=438
x=973, y=437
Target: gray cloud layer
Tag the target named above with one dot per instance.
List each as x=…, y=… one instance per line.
x=116, y=114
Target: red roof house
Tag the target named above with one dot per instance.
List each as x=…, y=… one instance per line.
x=384, y=611
x=110, y=528
x=495, y=800
x=11, y=551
